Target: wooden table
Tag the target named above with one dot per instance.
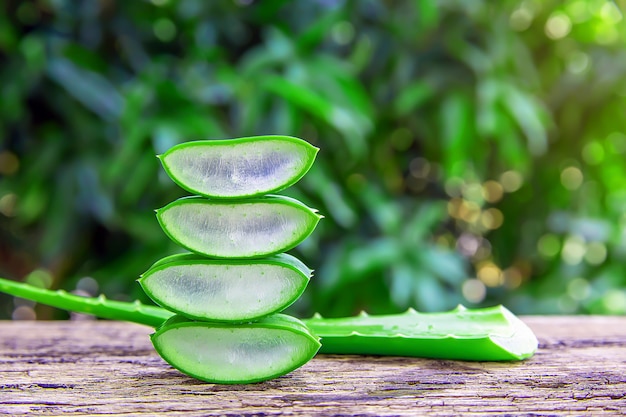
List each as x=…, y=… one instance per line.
x=98, y=367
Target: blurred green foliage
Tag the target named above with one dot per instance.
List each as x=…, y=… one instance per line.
x=471, y=151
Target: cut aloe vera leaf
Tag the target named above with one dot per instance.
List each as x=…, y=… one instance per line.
x=251, y=228
x=235, y=168
x=236, y=353
x=487, y=334
x=226, y=290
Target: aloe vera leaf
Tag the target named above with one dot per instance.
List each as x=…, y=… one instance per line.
x=226, y=290
x=486, y=334
x=135, y=312
x=235, y=168
x=236, y=353
x=251, y=228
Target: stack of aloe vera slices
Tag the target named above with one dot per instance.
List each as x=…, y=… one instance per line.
x=228, y=291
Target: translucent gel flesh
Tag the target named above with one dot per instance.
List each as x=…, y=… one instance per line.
x=225, y=292
x=232, y=354
x=236, y=230
x=246, y=168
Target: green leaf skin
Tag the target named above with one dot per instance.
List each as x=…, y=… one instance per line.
x=252, y=228
x=487, y=334
x=135, y=312
x=239, y=168
x=226, y=290
x=236, y=353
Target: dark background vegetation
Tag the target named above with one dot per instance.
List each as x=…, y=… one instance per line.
x=471, y=151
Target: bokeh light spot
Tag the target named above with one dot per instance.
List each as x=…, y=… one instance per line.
x=24, y=313
x=9, y=164
x=473, y=192
x=469, y=211
x=492, y=218
x=596, y=253
x=571, y=178
x=454, y=186
x=593, y=153
x=490, y=274
x=342, y=32
x=548, y=245
x=164, y=29
x=617, y=142
x=614, y=301
x=40, y=278
x=483, y=252
x=512, y=277
x=89, y=285
x=492, y=191
x=579, y=289
x=610, y=13
x=573, y=250
x=558, y=26
x=520, y=19
x=8, y=204
x=468, y=244
x=578, y=11
x=578, y=62
x=474, y=291
x=419, y=167
x=567, y=305
x=511, y=181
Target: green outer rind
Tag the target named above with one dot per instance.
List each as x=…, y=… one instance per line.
x=135, y=312
x=269, y=199
x=486, y=334
x=276, y=321
x=311, y=152
x=283, y=260
x=279, y=258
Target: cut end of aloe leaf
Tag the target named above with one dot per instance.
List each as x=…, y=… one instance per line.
x=224, y=290
x=519, y=341
x=236, y=354
x=250, y=228
x=236, y=168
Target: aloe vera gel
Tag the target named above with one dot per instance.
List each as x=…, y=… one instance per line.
x=236, y=168
x=228, y=290
x=236, y=353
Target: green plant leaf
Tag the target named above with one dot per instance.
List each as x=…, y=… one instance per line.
x=493, y=334
x=235, y=168
x=251, y=228
x=236, y=353
x=226, y=290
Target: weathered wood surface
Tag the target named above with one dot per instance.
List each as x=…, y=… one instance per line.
x=91, y=368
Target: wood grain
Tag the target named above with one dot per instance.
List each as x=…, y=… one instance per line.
x=98, y=367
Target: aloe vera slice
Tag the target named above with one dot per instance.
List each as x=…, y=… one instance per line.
x=486, y=334
x=235, y=353
x=244, y=167
x=251, y=228
x=226, y=290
